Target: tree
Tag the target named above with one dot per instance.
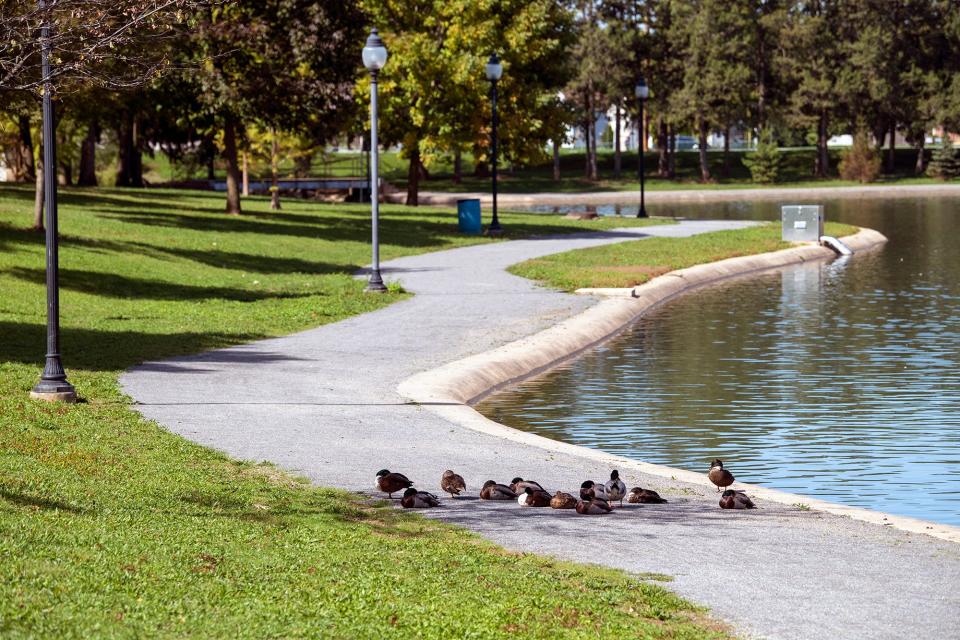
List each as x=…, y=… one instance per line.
x=252, y=66
x=810, y=67
x=715, y=36
x=764, y=163
x=434, y=96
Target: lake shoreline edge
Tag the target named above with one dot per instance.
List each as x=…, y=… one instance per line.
x=453, y=389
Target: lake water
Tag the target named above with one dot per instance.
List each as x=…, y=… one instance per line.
x=839, y=380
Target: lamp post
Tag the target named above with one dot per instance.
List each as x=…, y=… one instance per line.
x=374, y=57
x=642, y=92
x=494, y=72
x=53, y=383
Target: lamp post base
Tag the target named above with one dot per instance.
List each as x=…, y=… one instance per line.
x=494, y=232
x=54, y=392
x=642, y=213
x=375, y=284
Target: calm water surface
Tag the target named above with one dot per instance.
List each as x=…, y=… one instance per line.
x=839, y=380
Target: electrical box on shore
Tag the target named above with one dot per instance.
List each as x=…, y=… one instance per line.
x=802, y=222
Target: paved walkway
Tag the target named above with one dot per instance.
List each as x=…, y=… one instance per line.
x=324, y=403
x=554, y=199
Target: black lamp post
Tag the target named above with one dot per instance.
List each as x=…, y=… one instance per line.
x=642, y=92
x=53, y=383
x=374, y=57
x=494, y=72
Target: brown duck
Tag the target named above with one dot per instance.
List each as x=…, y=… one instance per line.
x=519, y=484
x=413, y=499
x=533, y=498
x=615, y=487
x=719, y=476
x=591, y=489
x=644, y=496
x=390, y=483
x=593, y=507
x=563, y=501
x=493, y=491
x=736, y=500
x=452, y=483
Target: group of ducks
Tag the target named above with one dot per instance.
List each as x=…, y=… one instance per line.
x=595, y=497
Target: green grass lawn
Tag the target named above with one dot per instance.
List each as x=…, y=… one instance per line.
x=111, y=526
x=628, y=264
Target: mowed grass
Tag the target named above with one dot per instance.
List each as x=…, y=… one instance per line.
x=628, y=264
x=111, y=526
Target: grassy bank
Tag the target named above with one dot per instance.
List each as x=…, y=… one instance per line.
x=111, y=526
x=628, y=264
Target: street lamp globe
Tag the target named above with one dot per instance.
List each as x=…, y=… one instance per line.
x=374, y=52
x=494, y=68
x=642, y=91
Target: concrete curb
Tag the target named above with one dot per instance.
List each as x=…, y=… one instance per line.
x=449, y=390
x=681, y=195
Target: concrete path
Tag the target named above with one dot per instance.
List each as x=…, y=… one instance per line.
x=324, y=403
x=553, y=199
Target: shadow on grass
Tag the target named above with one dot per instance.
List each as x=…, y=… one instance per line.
x=46, y=504
x=110, y=285
x=106, y=350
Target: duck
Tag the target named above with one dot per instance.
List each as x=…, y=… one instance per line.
x=533, y=498
x=390, y=483
x=519, y=484
x=644, y=496
x=562, y=500
x=736, y=500
x=493, y=491
x=590, y=490
x=413, y=499
x=593, y=507
x=718, y=475
x=452, y=483
x=615, y=487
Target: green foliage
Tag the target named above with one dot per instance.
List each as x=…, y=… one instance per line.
x=111, y=526
x=945, y=162
x=861, y=162
x=434, y=95
x=628, y=264
x=764, y=163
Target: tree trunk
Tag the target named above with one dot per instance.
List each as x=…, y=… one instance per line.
x=672, y=156
x=65, y=175
x=245, y=173
x=210, y=172
x=726, y=152
x=556, y=161
x=274, y=171
x=457, y=166
x=593, y=144
x=616, y=143
x=704, y=166
x=130, y=172
x=28, y=169
x=88, y=157
x=38, y=195
x=822, y=163
x=663, y=169
x=892, y=149
x=921, y=165
x=413, y=178
x=233, y=166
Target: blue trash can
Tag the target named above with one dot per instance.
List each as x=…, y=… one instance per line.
x=468, y=216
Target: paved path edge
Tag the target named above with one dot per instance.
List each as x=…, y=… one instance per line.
x=450, y=390
x=440, y=198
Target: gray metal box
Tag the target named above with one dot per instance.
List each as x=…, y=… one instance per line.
x=802, y=222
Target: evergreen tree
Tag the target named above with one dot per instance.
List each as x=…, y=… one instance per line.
x=764, y=163
x=945, y=163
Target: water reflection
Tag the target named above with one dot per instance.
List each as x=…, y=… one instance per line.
x=840, y=379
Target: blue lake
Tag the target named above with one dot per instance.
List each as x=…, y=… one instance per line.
x=839, y=380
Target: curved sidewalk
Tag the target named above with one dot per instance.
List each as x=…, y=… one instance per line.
x=325, y=403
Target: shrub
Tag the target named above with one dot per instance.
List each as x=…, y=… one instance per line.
x=860, y=162
x=945, y=162
x=764, y=163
